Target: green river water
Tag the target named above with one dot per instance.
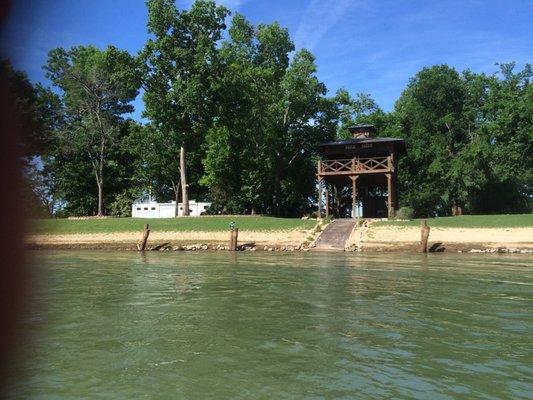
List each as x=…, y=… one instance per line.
x=122, y=325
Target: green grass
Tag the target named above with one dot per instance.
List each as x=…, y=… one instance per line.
x=471, y=221
x=207, y=223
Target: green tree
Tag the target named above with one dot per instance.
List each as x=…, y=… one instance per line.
x=271, y=115
x=181, y=68
x=97, y=87
x=71, y=178
x=429, y=114
x=361, y=109
x=32, y=106
x=501, y=111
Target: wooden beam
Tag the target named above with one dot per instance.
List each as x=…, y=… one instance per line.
x=355, y=165
x=389, y=196
x=354, y=195
x=394, y=193
x=358, y=172
x=327, y=202
x=320, y=180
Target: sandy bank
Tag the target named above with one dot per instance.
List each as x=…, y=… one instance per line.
x=365, y=238
x=400, y=237
x=120, y=239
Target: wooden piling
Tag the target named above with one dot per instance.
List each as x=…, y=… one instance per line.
x=234, y=234
x=146, y=232
x=424, y=236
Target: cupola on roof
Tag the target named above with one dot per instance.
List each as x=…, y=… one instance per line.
x=362, y=130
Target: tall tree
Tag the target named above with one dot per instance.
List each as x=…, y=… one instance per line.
x=469, y=141
x=430, y=116
x=501, y=114
x=272, y=113
x=32, y=106
x=181, y=68
x=354, y=110
x=97, y=87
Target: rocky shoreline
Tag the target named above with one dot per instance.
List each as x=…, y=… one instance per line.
x=249, y=247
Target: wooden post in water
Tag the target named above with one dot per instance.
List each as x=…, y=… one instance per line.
x=424, y=236
x=234, y=234
x=146, y=232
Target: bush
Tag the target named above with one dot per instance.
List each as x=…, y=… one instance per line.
x=121, y=207
x=405, y=213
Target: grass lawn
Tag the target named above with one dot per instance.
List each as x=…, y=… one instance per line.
x=204, y=223
x=471, y=221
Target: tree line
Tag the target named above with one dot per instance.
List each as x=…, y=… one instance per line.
x=249, y=110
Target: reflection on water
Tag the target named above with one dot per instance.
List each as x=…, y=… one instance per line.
x=227, y=325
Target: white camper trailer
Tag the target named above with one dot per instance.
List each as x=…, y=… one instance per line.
x=152, y=209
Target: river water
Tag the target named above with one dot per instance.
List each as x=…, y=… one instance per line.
x=279, y=325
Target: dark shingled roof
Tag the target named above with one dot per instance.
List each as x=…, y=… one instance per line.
x=398, y=142
x=361, y=140
x=362, y=128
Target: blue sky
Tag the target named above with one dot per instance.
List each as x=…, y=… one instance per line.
x=361, y=45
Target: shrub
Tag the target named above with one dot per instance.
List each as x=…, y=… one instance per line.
x=121, y=207
x=405, y=213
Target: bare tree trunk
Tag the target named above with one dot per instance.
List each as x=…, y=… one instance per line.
x=100, y=199
x=99, y=184
x=276, y=198
x=100, y=171
x=176, y=189
x=184, y=186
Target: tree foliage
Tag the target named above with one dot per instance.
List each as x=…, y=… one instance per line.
x=181, y=68
x=250, y=110
x=96, y=89
x=270, y=117
x=469, y=141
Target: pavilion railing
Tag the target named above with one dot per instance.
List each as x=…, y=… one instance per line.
x=355, y=166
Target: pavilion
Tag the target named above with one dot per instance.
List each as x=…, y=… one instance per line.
x=367, y=167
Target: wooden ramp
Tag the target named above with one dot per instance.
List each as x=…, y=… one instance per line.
x=335, y=235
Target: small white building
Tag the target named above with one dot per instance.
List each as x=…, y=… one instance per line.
x=152, y=209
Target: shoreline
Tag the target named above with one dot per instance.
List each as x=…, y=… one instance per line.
x=373, y=239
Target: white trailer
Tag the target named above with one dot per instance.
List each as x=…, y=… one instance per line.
x=153, y=209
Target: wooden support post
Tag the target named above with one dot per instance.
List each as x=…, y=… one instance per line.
x=234, y=234
x=390, y=206
x=395, y=192
x=146, y=232
x=327, y=202
x=320, y=180
x=424, y=236
x=354, y=196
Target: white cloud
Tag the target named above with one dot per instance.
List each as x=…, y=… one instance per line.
x=317, y=19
